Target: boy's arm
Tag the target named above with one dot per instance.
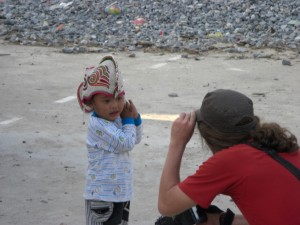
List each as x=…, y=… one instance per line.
x=130, y=111
x=139, y=129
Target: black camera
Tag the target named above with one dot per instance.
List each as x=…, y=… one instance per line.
x=191, y=216
x=196, y=215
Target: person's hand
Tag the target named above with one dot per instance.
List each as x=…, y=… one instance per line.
x=129, y=110
x=133, y=109
x=126, y=113
x=183, y=128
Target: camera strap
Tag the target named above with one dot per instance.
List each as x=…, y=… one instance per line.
x=271, y=152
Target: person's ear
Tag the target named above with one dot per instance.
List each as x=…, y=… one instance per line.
x=89, y=103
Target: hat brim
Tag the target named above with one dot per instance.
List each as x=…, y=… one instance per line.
x=83, y=106
x=198, y=115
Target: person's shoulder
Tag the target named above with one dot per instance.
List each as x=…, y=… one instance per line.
x=241, y=147
x=236, y=151
x=234, y=157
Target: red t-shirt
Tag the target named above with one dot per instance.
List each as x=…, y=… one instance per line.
x=265, y=191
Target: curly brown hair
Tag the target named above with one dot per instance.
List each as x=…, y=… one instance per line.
x=269, y=135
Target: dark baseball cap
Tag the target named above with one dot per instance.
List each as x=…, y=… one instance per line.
x=227, y=111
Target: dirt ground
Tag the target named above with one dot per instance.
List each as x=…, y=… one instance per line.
x=42, y=129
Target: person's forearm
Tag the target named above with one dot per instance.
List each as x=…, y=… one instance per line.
x=171, y=199
x=170, y=176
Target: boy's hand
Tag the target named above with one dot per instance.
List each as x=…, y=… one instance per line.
x=129, y=110
x=133, y=109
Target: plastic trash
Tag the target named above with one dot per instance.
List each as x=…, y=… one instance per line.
x=65, y=5
x=216, y=35
x=139, y=21
x=60, y=27
x=114, y=10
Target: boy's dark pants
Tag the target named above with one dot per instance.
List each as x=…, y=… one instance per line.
x=106, y=213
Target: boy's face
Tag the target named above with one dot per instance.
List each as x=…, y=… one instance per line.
x=108, y=108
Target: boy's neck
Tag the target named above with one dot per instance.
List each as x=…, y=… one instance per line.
x=95, y=114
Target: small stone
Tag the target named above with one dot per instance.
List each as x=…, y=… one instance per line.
x=185, y=56
x=286, y=62
x=131, y=48
x=173, y=95
x=68, y=50
x=132, y=55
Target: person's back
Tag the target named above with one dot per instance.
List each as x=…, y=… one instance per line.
x=264, y=191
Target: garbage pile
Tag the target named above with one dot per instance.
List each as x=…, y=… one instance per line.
x=175, y=25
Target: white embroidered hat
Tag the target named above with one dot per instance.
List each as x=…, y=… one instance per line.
x=105, y=79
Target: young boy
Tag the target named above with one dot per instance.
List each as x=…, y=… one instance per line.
x=115, y=126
